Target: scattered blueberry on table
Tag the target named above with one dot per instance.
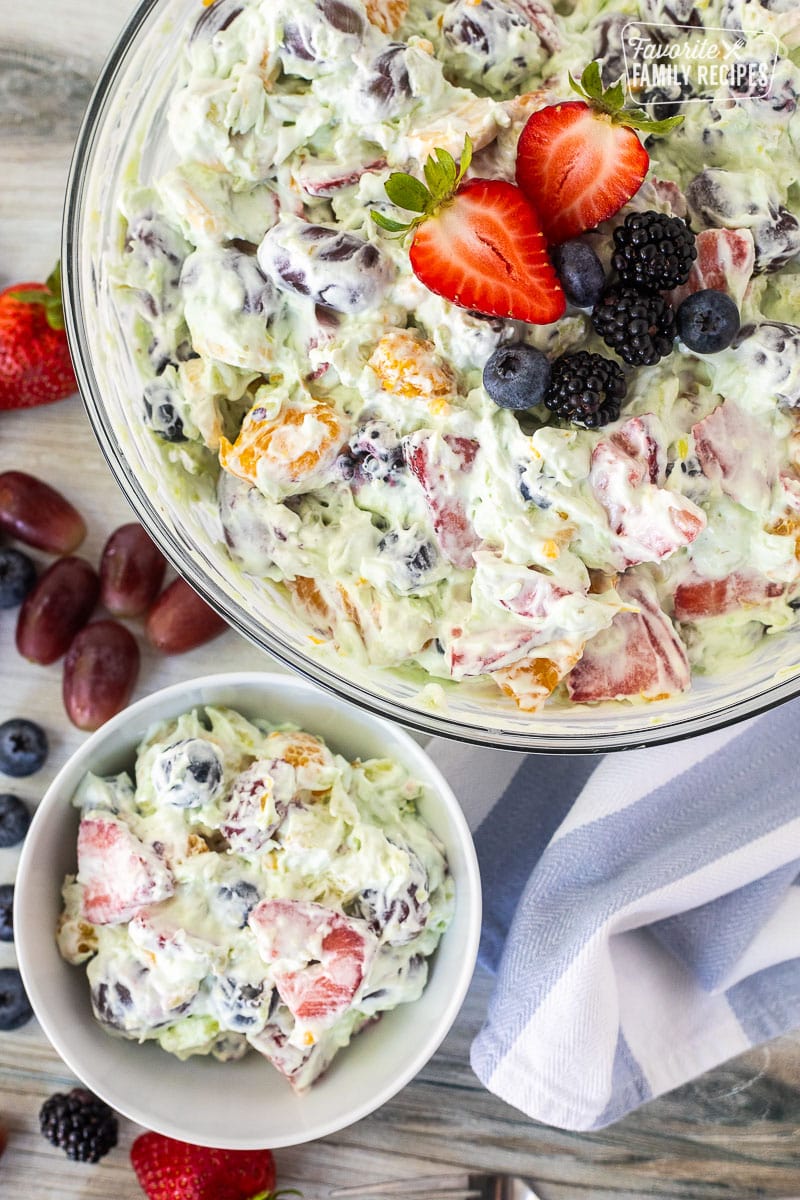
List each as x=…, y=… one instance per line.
x=23, y=747
x=14, y=820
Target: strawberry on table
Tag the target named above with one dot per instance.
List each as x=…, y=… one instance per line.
x=171, y=1170
x=478, y=244
x=35, y=366
x=579, y=161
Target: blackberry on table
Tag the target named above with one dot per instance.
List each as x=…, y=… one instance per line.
x=80, y=1124
x=639, y=326
x=653, y=251
x=586, y=388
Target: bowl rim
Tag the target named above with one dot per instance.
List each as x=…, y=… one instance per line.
x=644, y=728
x=25, y=913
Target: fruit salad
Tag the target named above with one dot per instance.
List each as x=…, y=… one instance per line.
x=491, y=365
x=248, y=889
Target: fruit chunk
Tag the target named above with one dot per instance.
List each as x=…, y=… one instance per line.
x=119, y=873
x=59, y=605
x=648, y=521
x=180, y=620
x=478, y=244
x=23, y=747
x=725, y=261
x=530, y=680
x=172, y=1170
x=579, y=161
x=100, y=671
x=35, y=513
x=131, y=571
x=388, y=15
x=35, y=366
x=696, y=597
x=639, y=656
x=320, y=957
x=737, y=450
x=407, y=365
x=437, y=463
x=292, y=448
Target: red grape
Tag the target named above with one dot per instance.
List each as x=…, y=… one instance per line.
x=100, y=671
x=180, y=620
x=52, y=613
x=35, y=513
x=131, y=571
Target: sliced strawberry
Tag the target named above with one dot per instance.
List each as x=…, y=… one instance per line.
x=120, y=874
x=486, y=251
x=697, y=597
x=578, y=162
x=437, y=464
x=639, y=656
x=478, y=244
x=320, y=957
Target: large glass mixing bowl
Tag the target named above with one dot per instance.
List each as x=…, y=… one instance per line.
x=126, y=121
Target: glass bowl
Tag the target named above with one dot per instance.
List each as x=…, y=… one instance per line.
x=126, y=118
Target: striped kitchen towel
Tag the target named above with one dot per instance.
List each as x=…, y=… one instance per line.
x=642, y=912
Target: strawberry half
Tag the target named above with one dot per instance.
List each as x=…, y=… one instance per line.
x=171, y=1170
x=478, y=244
x=35, y=366
x=578, y=162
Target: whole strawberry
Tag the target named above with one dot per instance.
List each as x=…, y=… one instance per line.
x=35, y=367
x=172, y=1170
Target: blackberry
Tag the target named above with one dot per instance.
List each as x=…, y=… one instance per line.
x=653, y=252
x=586, y=388
x=80, y=1124
x=639, y=326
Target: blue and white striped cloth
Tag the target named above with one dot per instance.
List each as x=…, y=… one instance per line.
x=642, y=912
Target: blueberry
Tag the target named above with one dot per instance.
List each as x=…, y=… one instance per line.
x=14, y=820
x=23, y=747
x=516, y=376
x=15, y=1007
x=17, y=577
x=6, y=912
x=707, y=321
x=580, y=271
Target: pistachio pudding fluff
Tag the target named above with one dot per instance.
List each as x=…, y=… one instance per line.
x=545, y=440
x=245, y=888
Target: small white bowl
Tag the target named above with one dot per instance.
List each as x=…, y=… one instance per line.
x=243, y=1104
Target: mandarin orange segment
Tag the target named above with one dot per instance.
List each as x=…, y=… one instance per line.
x=293, y=445
x=407, y=365
x=312, y=602
x=298, y=749
x=531, y=680
x=387, y=15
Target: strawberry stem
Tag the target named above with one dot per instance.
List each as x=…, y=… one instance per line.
x=611, y=102
x=275, y=1195
x=48, y=296
x=443, y=177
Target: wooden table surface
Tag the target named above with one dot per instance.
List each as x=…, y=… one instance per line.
x=734, y=1134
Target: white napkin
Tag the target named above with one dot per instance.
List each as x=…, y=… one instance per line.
x=642, y=911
